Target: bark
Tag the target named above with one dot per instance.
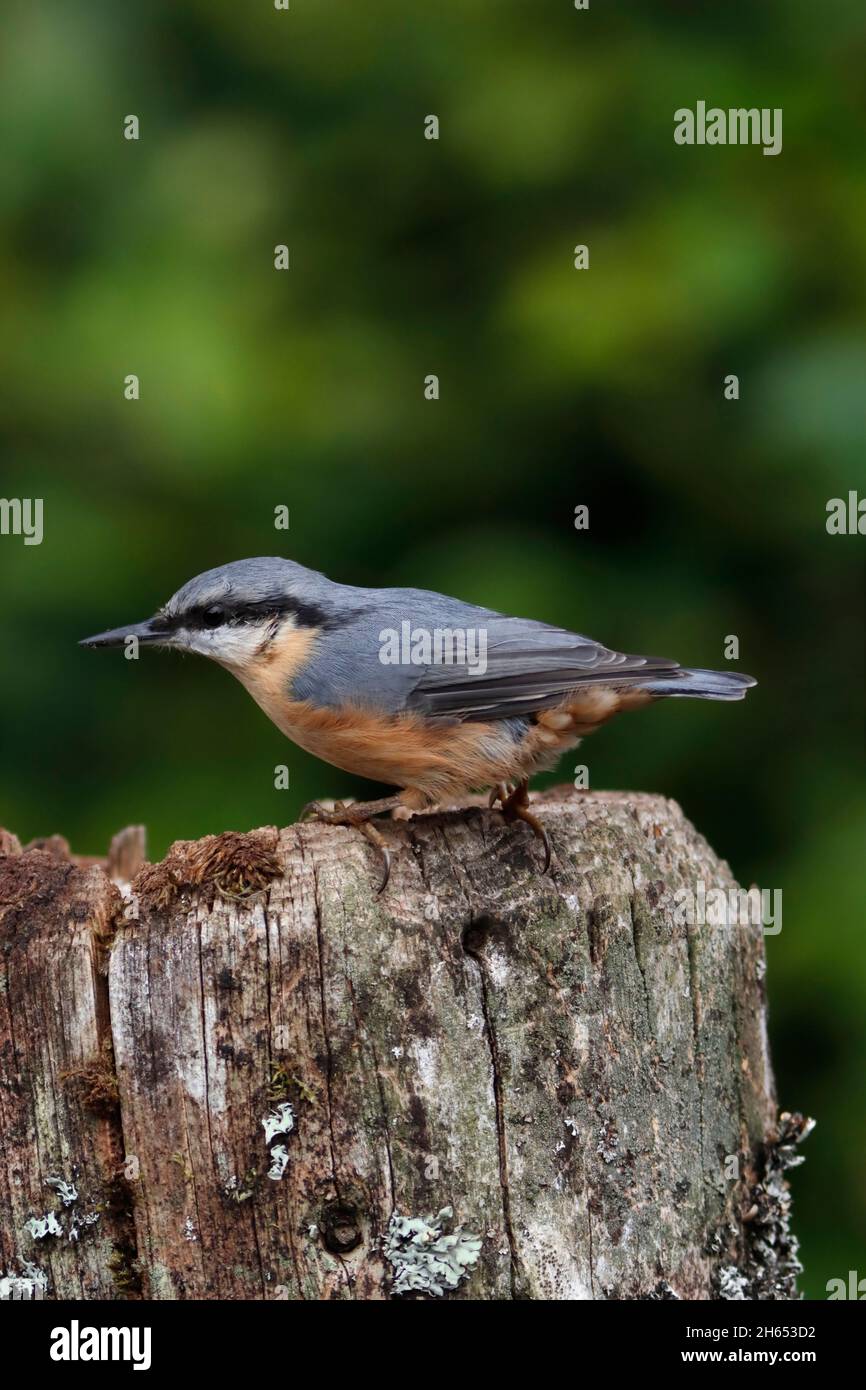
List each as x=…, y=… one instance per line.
x=262, y=1080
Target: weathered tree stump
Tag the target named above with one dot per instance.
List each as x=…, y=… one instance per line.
x=261, y=1080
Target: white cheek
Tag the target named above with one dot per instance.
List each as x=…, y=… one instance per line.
x=230, y=645
x=237, y=645
x=185, y=641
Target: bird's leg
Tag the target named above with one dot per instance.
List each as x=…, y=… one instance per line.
x=516, y=807
x=500, y=792
x=358, y=817
x=354, y=814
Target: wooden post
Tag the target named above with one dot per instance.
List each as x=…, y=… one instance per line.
x=261, y=1080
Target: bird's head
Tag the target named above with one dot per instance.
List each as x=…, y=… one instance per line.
x=234, y=614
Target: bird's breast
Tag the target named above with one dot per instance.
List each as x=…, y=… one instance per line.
x=404, y=750
x=410, y=750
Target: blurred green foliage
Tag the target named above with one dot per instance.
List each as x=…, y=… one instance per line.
x=558, y=387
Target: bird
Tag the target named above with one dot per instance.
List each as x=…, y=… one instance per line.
x=409, y=687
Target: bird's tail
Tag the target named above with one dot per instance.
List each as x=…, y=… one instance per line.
x=701, y=685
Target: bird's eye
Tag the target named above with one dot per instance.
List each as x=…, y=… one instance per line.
x=214, y=616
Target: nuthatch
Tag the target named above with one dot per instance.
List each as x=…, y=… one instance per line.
x=408, y=687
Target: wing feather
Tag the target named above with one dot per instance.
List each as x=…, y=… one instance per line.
x=529, y=666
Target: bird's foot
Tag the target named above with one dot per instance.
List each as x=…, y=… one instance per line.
x=515, y=806
x=500, y=793
x=357, y=816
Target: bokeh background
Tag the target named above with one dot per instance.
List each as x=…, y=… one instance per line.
x=558, y=387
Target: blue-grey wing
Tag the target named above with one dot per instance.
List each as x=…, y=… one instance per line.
x=511, y=666
x=528, y=667
x=352, y=660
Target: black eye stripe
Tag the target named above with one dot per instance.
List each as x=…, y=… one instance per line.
x=237, y=612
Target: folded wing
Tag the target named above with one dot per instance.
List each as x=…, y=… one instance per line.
x=524, y=667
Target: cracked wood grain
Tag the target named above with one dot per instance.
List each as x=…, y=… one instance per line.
x=57, y=1120
x=556, y=1058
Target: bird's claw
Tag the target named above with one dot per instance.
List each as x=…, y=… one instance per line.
x=372, y=834
x=515, y=806
x=336, y=816
x=343, y=815
x=500, y=793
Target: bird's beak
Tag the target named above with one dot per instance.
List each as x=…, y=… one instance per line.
x=148, y=631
